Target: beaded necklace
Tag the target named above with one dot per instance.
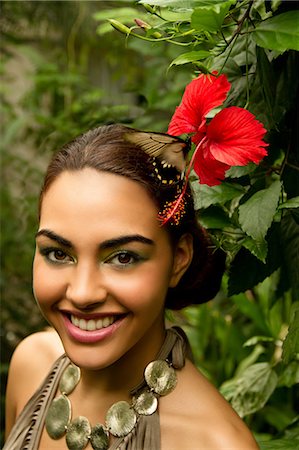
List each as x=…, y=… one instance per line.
x=121, y=418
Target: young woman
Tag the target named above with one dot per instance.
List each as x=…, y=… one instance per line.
x=117, y=243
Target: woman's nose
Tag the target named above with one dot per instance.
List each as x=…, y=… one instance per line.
x=86, y=286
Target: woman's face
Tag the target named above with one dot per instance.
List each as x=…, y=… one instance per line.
x=102, y=267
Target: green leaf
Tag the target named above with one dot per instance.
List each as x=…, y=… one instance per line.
x=121, y=15
x=168, y=3
x=190, y=57
x=251, y=310
x=214, y=218
x=124, y=14
x=257, y=248
x=257, y=213
x=206, y=196
x=249, y=360
x=267, y=82
x=287, y=82
x=240, y=171
x=187, y=4
x=260, y=7
x=279, y=416
x=176, y=14
x=275, y=4
x=290, y=347
x=246, y=271
x=252, y=389
x=279, y=444
x=12, y=130
x=210, y=18
x=292, y=203
x=256, y=339
x=279, y=33
x=290, y=375
x=290, y=242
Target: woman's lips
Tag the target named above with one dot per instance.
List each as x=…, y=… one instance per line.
x=91, y=330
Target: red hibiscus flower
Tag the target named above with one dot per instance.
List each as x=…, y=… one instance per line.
x=232, y=138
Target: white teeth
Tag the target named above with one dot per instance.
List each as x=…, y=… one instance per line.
x=107, y=321
x=92, y=325
x=99, y=324
x=82, y=324
x=75, y=321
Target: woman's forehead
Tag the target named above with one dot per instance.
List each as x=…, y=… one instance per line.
x=91, y=183
x=91, y=201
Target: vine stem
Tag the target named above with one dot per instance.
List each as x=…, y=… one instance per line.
x=166, y=39
x=285, y=161
x=237, y=33
x=247, y=70
x=293, y=166
x=241, y=22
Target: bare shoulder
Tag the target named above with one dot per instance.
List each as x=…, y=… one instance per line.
x=30, y=363
x=41, y=349
x=197, y=417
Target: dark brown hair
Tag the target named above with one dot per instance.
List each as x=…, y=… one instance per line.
x=106, y=150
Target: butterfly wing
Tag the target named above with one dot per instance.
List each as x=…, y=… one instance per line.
x=170, y=150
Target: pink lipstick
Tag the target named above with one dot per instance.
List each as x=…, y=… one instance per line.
x=91, y=330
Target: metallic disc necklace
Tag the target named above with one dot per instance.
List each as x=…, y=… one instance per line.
x=121, y=418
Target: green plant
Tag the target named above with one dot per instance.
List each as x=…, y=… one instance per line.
x=77, y=77
x=250, y=347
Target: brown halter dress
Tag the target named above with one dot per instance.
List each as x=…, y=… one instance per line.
x=26, y=433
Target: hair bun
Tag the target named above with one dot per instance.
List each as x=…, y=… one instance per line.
x=202, y=280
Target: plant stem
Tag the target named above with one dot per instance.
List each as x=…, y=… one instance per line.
x=241, y=22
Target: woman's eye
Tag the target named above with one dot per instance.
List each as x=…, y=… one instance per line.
x=59, y=256
x=56, y=255
x=123, y=259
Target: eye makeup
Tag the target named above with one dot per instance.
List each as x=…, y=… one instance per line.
x=112, y=250
x=55, y=255
x=124, y=259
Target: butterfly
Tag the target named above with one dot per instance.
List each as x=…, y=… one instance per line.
x=171, y=151
x=169, y=155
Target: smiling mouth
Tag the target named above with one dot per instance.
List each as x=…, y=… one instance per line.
x=93, y=324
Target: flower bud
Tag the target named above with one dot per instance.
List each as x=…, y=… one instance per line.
x=119, y=26
x=142, y=24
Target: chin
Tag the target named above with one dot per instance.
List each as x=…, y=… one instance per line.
x=90, y=358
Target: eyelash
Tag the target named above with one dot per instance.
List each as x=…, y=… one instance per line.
x=134, y=257
x=47, y=252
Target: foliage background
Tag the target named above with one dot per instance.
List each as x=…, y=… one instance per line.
x=65, y=69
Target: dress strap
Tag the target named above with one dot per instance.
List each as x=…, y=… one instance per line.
x=146, y=434
x=27, y=430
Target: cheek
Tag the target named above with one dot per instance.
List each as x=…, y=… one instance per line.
x=148, y=289
x=47, y=285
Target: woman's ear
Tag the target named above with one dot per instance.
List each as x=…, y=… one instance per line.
x=182, y=258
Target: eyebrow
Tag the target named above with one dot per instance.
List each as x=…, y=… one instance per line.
x=54, y=237
x=122, y=240
x=110, y=243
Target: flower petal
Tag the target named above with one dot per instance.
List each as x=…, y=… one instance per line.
x=209, y=170
x=235, y=137
x=201, y=95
